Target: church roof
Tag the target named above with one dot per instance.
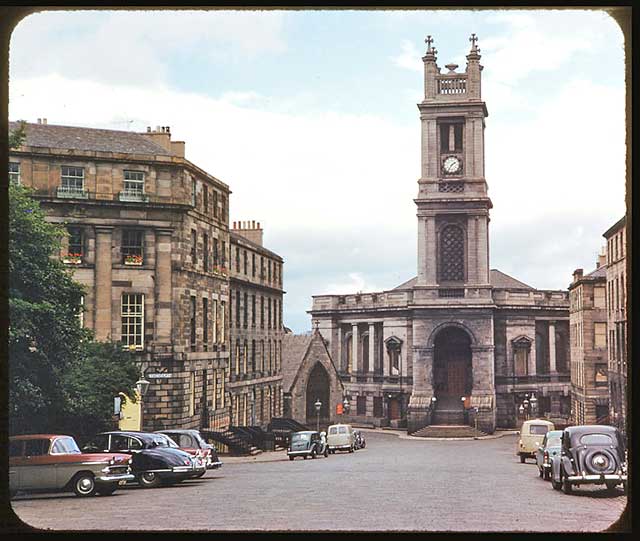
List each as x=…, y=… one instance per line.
x=79, y=138
x=498, y=279
x=294, y=348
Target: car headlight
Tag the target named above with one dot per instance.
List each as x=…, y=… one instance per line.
x=112, y=461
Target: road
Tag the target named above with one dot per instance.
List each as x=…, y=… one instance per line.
x=392, y=484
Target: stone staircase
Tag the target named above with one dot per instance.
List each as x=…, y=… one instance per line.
x=448, y=411
x=448, y=431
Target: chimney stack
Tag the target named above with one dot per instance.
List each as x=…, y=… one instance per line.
x=162, y=136
x=577, y=275
x=602, y=259
x=250, y=230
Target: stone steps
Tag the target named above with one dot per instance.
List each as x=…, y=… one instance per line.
x=448, y=431
x=448, y=417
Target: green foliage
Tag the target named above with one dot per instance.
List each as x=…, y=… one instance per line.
x=92, y=381
x=48, y=349
x=17, y=136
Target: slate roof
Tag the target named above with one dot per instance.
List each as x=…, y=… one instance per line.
x=79, y=138
x=600, y=272
x=498, y=279
x=240, y=239
x=294, y=348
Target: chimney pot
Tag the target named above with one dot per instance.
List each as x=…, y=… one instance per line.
x=39, y=121
x=44, y=120
x=258, y=225
x=168, y=129
x=148, y=129
x=157, y=128
x=253, y=224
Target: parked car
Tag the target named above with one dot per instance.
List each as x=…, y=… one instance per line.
x=308, y=443
x=156, y=458
x=549, y=448
x=53, y=462
x=193, y=443
x=360, y=442
x=590, y=454
x=340, y=437
x=531, y=435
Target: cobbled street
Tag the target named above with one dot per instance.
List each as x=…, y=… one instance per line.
x=392, y=484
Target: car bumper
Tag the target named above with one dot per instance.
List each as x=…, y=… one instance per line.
x=597, y=479
x=299, y=453
x=117, y=478
x=214, y=465
x=339, y=447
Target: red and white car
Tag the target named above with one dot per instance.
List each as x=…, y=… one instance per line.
x=192, y=442
x=54, y=463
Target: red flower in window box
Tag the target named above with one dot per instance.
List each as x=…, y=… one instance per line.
x=72, y=259
x=133, y=260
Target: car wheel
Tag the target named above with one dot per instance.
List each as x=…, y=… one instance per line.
x=304, y=456
x=84, y=485
x=547, y=475
x=555, y=484
x=149, y=479
x=522, y=458
x=107, y=490
x=326, y=453
x=540, y=472
x=291, y=457
x=566, y=486
x=200, y=474
x=313, y=453
x=351, y=449
x=611, y=487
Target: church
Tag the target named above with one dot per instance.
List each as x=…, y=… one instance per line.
x=460, y=342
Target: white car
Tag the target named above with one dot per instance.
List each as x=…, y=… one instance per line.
x=340, y=438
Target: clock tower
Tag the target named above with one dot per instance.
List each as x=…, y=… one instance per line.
x=453, y=205
x=453, y=351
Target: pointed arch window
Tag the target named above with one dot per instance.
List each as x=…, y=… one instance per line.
x=452, y=254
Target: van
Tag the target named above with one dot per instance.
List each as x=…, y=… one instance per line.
x=340, y=437
x=531, y=435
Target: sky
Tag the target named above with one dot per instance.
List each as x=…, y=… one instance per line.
x=310, y=116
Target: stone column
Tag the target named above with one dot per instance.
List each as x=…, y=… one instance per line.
x=372, y=347
x=552, y=347
x=354, y=347
x=532, y=361
x=338, y=349
x=163, y=285
x=103, y=282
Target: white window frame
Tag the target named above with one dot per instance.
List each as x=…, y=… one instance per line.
x=131, y=185
x=130, y=340
x=69, y=181
x=14, y=176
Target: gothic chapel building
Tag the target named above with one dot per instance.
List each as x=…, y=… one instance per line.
x=459, y=342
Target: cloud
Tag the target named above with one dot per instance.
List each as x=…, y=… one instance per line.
x=410, y=58
x=133, y=47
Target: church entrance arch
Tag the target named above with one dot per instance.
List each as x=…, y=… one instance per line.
x=317, y=389
x=452, y=369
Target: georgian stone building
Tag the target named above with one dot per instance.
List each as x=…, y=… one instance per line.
x=459, y=335
x=256, y=328
x=617, y=320
x=588, y=338
x=149, y=239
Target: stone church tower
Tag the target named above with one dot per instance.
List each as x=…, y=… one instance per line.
x=453, y=357
x=460, y=343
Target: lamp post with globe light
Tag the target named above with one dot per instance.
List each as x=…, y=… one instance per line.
x=142, y=386
x=318, y=405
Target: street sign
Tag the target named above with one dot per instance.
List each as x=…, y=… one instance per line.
x=161, y=375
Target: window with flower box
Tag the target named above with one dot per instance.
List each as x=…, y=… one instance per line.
x=14, y=172
x=75, y=251
x=132, y=247
x=132, y=319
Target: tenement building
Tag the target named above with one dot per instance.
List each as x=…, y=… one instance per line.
x=460, y=341
x=617, y=321
x=256, y=328
x=148, y=237
x=588, y=338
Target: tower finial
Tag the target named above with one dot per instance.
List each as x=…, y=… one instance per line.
x=474, y=47
x=429, y=41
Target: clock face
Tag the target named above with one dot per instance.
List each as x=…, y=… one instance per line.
x=451, y=165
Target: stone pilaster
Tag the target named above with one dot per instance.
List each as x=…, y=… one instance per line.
x=419, y=411
x=355, y=339
x=163, y=324
x=552, y=347
x=103, y=282
x=372, y=347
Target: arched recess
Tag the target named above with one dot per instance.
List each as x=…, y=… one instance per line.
x=452, y=367
x=394, y=355
x=318, y=389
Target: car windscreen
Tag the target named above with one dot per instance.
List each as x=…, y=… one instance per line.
x=538, y=429
x=554, y=442
x=333, y=430
x=596, y=439
x=65, y=446
x=300, y=437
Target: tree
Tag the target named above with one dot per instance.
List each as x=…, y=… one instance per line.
x=17, y=136
x=59, y=379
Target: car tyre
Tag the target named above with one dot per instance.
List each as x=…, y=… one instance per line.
x=200, y=474
x=351, y=449
x=541, y=472
x=107, y=490
x=566, y=485
x=556, y=485
x=547, y=475
x=522, y=458
x=291, y=457
x=611, y=487
x=313, y=453
x=326, y=453
x=304, y=456
x=84, y=485
x=149, y=479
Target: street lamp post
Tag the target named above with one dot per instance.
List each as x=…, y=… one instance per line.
x=318, y=405
x=534, y=405
x=346, y=405
x=142, y=386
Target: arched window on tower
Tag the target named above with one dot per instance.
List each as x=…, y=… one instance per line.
x=451, y=254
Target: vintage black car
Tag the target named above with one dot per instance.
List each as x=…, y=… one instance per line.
x=589, y=454
x=156, y=459
x=308, y=443
x=191, y=441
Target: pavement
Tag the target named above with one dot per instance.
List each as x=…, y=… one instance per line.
x=394, y=484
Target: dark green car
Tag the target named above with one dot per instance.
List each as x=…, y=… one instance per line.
x=308, y=443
